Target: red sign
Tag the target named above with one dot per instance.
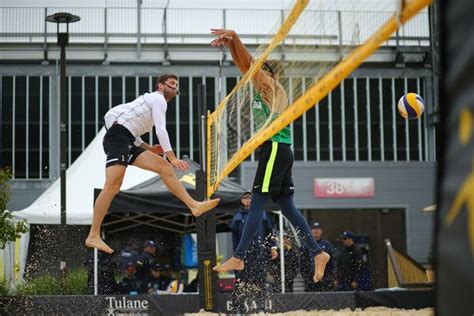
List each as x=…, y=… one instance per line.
x=344, y=188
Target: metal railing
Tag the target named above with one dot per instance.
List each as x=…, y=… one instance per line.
x=139, y=25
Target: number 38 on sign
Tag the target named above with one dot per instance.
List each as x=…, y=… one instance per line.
x=343, y=188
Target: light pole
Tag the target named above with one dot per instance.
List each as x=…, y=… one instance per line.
x=63, y=39
x=62, y=20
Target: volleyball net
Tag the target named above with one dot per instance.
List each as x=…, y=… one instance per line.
x=308, y=39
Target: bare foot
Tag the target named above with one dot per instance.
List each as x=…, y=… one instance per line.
x=231, y=264
x=320, y=262
x=96, y=242
x=204, y=206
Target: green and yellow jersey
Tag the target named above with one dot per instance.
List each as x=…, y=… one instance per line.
x=261, y=113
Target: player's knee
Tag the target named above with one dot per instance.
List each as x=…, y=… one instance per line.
x=166, y=170
x=113, y=187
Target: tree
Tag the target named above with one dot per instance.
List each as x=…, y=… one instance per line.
x=9, y=230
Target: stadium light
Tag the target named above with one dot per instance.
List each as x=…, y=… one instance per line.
x=62, y=20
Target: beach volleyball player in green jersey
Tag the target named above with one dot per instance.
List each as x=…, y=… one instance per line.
x=273, y=178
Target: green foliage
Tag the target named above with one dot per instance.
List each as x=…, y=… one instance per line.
x=3, y=288
x=5, y=176
x=9, y=231
x=76, y=282
x=43, y=285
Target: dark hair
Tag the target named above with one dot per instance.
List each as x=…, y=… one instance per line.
x=266, y=67
x=162, y=79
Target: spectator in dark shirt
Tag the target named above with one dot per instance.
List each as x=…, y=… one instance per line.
x=156, y=283
x=348, y=264
x=130, y=284
x=167, y=273
x=128, y=255
x=145, y=260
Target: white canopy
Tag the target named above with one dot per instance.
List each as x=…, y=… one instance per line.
x=82, y=177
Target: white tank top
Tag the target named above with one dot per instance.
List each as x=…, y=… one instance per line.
x=140, y=115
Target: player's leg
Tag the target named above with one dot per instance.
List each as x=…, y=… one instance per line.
x=296, y=219
x=253, y=221
x=116, y=146
x=282, y=187
x=250, y=229
x=152, y=162
x=258, y=201
x=113, y=181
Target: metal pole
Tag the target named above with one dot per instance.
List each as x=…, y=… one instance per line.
x=63, y=39
x=339, y=24
x=96, y=277
x=221, y=60
x=202, y=125
x=106, y=37
x=165, y=34
x=139, y=27
x=45, y=43
x=63, y=125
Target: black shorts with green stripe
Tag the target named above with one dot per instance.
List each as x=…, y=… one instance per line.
x=274, y=170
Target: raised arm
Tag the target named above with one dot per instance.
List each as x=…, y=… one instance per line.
x=269, y=88
x=239, y=52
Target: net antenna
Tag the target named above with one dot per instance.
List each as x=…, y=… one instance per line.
x=221, y=60
x=302, y=81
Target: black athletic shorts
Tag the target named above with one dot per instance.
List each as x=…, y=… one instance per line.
x=274, y=170
x=119, y=147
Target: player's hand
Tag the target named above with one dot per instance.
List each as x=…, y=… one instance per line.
x=224, y=36
x=274, y=253
x=157, y=149
x=180, y=164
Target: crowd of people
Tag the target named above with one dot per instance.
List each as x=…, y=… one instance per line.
x=132, y=273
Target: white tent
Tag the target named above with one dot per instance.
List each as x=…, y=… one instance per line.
x=82, y=177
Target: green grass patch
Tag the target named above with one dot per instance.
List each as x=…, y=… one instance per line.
x=4, y=288
x=76, y=283
x=42, y=285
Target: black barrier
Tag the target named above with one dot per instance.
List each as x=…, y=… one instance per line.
x=396, y=299
x=189, y=303
x=99, y=305
x=455, y=218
